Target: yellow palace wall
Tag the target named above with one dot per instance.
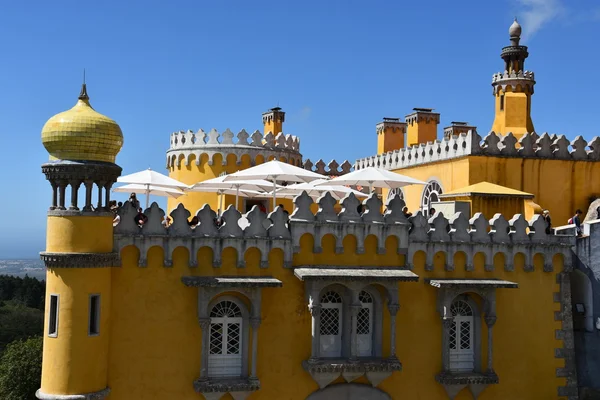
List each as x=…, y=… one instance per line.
x=558, y=185
x=155, y=343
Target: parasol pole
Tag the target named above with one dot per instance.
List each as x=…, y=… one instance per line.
x=274, y=191
x=147, y=194
x=237, y=195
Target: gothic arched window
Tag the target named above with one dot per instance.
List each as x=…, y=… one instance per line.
x=331, y=324
x=462, y=332
x=225, y=357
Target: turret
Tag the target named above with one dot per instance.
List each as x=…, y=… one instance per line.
x=513, y=89
x=390, y=135
x=273, y=120
x=83, y=145
x=422, y=126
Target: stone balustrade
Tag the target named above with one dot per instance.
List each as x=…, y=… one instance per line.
x=531, y=145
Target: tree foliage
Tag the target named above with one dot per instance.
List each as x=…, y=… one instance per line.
x=21, y=369
x=27, y=291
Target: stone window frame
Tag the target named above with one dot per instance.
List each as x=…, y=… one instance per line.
x=352, y=305
x=245, y=334
x=448, y=291
x=477, y=333
x=53, y=334
x=248, y=291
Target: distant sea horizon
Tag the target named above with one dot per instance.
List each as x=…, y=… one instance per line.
x=32, y=267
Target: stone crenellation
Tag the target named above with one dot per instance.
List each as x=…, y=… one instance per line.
x=185, y=144
x=282, y=231
x=531, y=145
x=502, y=80
x=332, y=169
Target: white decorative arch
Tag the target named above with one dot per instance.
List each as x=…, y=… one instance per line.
x=397, y=191
x=430, y=194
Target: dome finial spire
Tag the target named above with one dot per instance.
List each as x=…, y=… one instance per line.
x=515, y=32
x=83, y=94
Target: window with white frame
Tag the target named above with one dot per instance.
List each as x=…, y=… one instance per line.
x=461, y=340
x=394, y=192
x=431, y=194
x=225, y=356
x=53, y=316
x=364, y=325
x=331, y=324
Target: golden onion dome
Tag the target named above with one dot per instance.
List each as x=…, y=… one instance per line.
x=82, y=134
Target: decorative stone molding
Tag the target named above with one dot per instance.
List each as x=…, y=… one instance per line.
x=101, y=395
x=454, y=383
x=75, y=213
x=62, y=174
x=80, y=260
x=376, y=370
x=231, y=281
x=531, y=145
x=333, y=168
x=216, y=388
x=526, y=80
x=185, y=144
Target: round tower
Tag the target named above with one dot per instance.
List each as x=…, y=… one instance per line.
x=513, y=88
x=83, y=145
x=198, y=156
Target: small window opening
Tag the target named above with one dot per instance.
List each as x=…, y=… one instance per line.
x=53, y=320
x=94, y=326
x=502, y=102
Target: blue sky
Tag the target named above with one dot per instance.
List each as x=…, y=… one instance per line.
x=336, y=68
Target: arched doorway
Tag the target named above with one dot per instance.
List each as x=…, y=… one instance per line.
x=349, y=391
x=582, y=301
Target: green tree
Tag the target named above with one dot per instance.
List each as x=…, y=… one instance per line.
x=21, y=369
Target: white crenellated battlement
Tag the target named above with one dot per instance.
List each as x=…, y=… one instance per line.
x=185, y=144
x=531, y=145
x=502, y=80
x=278, y=230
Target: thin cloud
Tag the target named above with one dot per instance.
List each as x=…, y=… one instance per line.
x=534, y=14
x=304, y=113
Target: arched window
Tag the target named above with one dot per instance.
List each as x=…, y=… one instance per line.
x=430, y=195
x=331, y=324
x=394, y=192
x=462, y=355
x=225, y=357
x=364, y=325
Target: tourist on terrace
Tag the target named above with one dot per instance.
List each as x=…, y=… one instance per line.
x=134, y=201
x=193, y=222
x=283, y=209
x=431, y=212
x=166, y=222
x=406, y=213
x=577, y=221
x=140, y=217
x=546, y=216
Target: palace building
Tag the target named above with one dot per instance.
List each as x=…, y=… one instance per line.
x=474, y=301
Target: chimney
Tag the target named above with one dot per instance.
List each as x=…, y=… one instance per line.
x=273, y=120
x=390, y=135
x=456, y=128
x=421, y=126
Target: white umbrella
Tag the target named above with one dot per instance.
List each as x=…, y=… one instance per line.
x=311, y=188
x=275, y=171
x=254, y=186
x=148, y=190
x=152, y=178
x=374, y=177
